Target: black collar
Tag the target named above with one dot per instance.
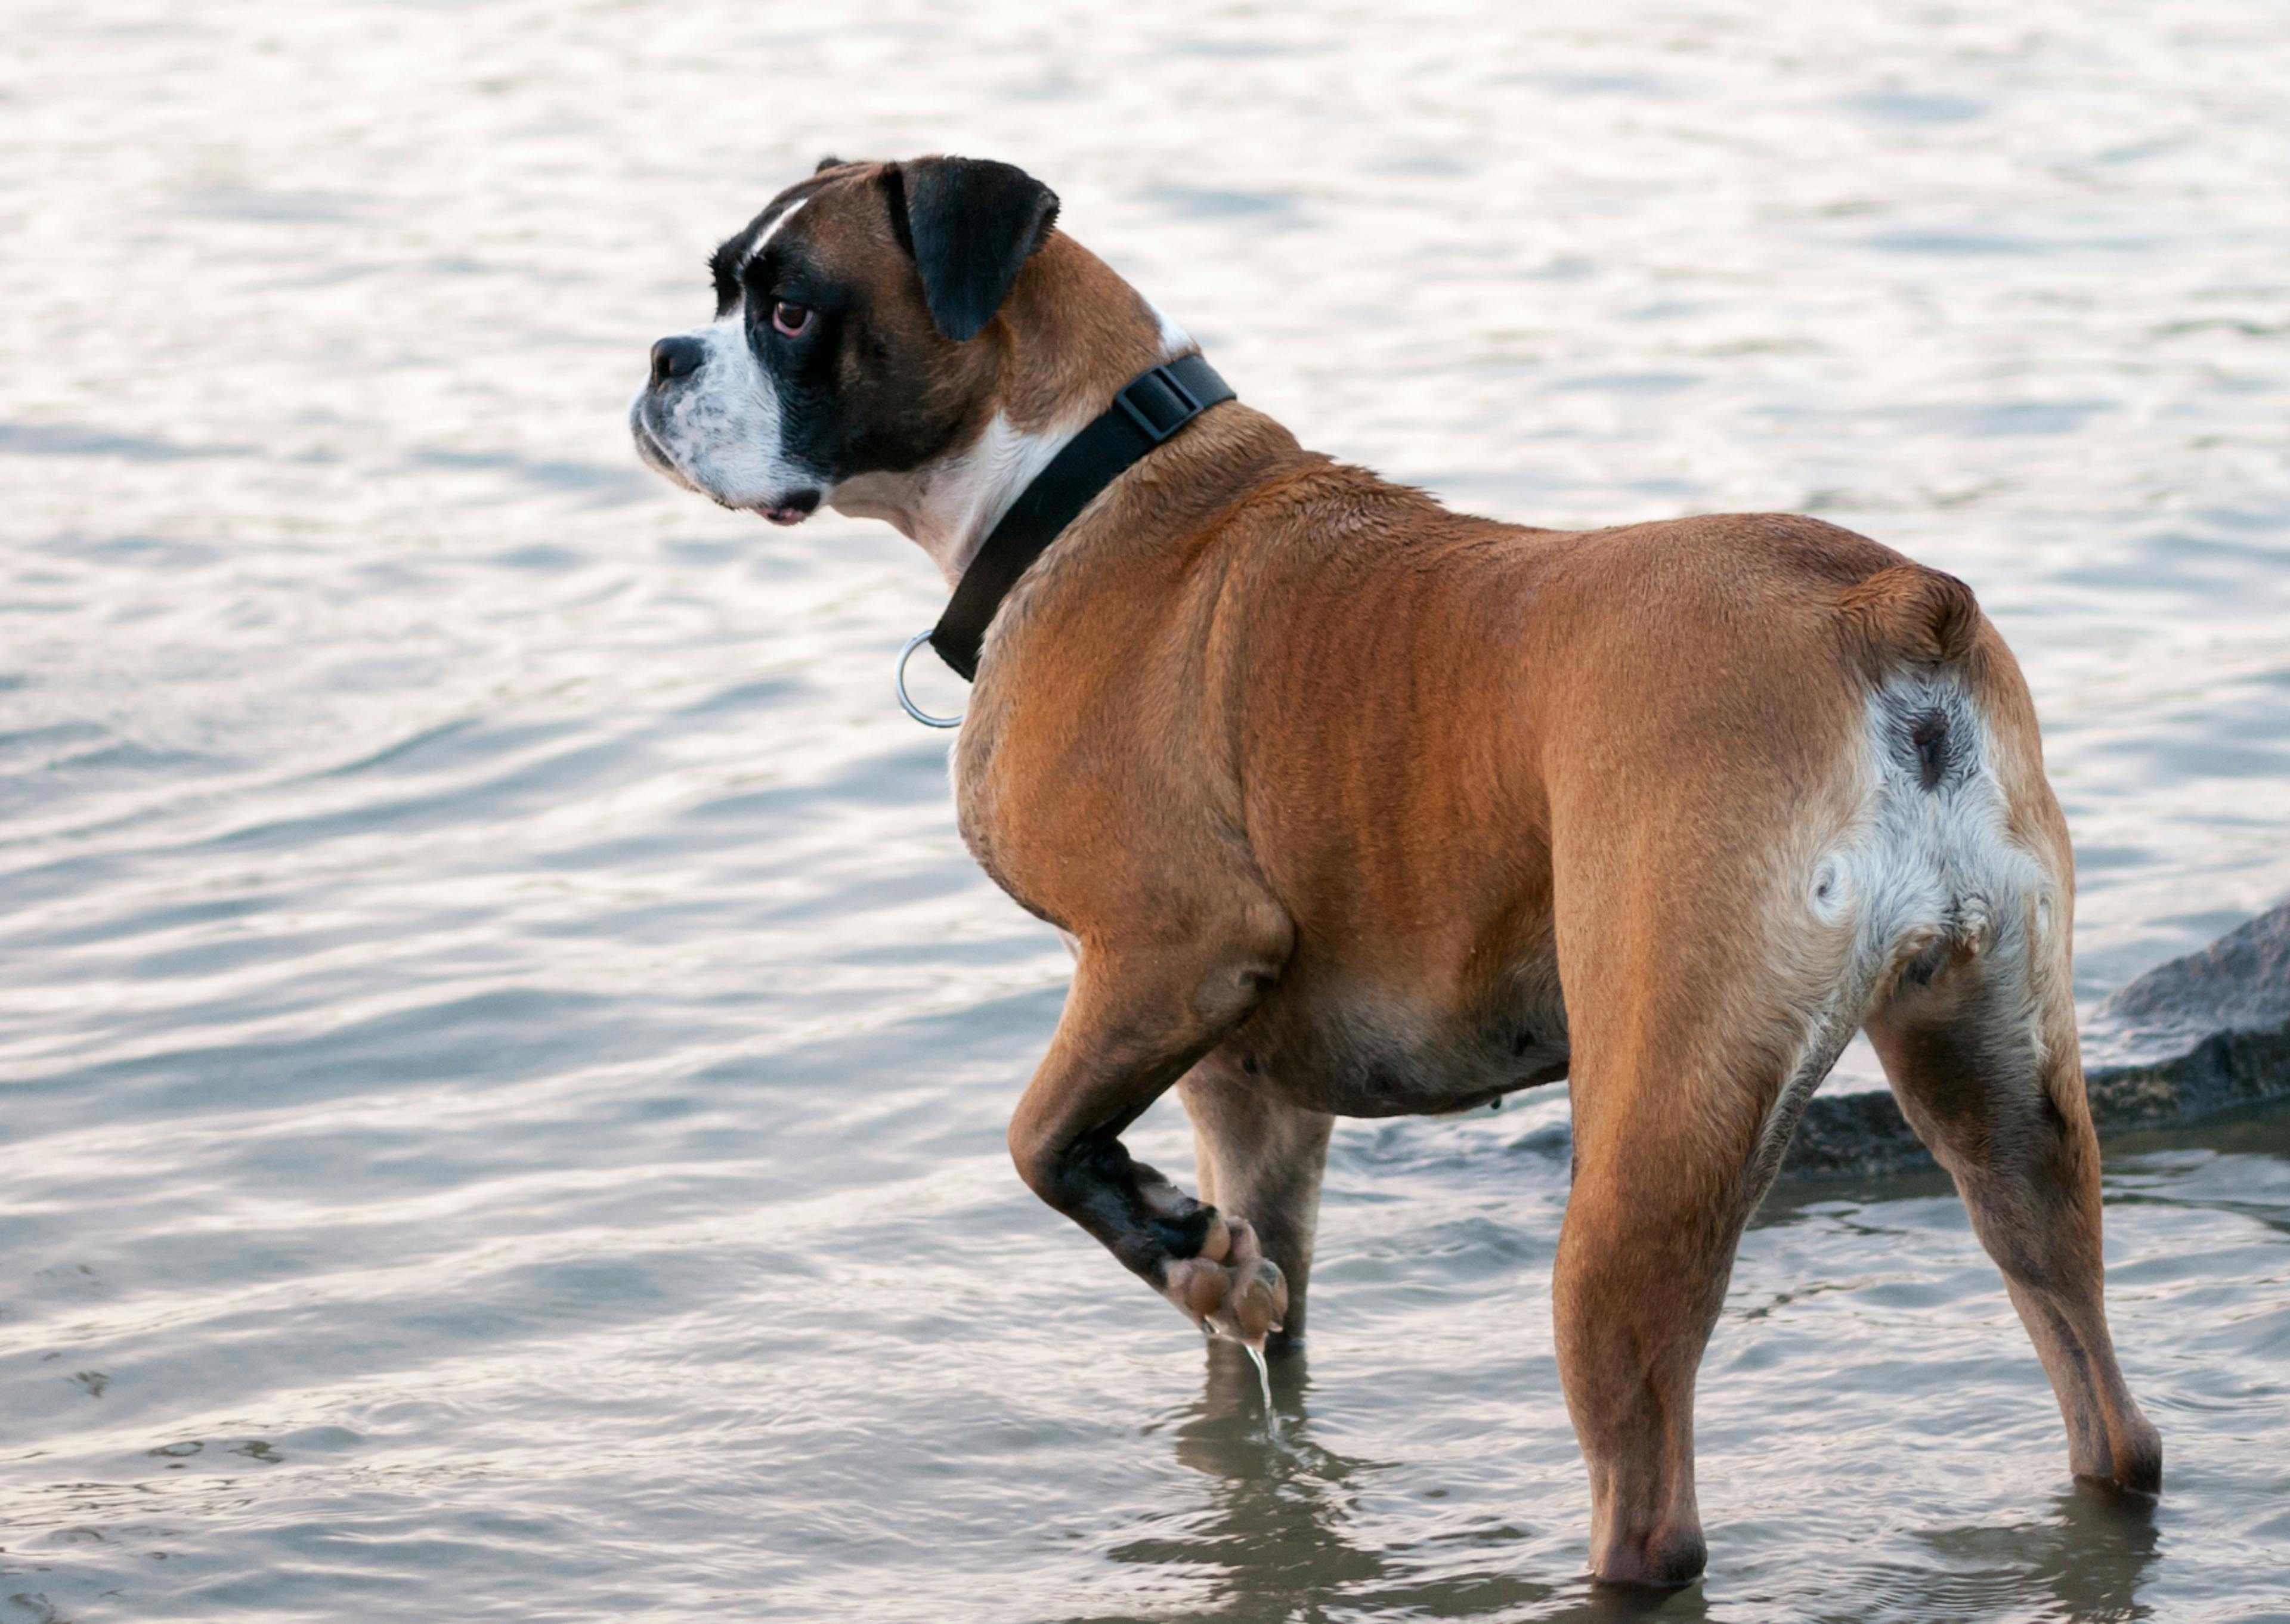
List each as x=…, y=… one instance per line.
x=1152, y=406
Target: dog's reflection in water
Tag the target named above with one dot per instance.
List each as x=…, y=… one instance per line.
x=2086, y=1561
x=1275, y=1520
x=1273, y=1529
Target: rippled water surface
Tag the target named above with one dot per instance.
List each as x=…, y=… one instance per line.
x=503, y=1058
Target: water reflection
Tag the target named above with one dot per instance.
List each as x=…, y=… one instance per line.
x=2098, y=1556
x=1278, y=1517
x=1274, y=1514
x=2086, y=1564
x=1280, y=1529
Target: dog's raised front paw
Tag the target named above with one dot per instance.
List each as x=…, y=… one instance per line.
x=1230, y=1289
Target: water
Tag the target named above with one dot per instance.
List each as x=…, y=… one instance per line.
x=506, y=1060
x=1256, y=1351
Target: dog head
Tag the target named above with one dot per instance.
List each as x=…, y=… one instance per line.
x=909, y=341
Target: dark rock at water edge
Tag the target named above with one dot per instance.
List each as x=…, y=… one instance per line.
x=1844, y=1136
x=2201, y=1034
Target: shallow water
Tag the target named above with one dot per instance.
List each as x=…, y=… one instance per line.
x=505, y=1057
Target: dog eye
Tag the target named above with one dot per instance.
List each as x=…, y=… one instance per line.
x=790, y=320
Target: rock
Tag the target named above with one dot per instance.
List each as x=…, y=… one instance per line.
x=2200, y=1035
x=2203, y=1033
x=1846, y=1136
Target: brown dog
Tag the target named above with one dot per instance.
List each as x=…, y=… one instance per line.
x=1354, y=807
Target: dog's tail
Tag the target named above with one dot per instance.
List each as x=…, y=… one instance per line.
x=1908, y=617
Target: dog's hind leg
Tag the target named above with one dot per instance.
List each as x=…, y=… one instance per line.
x=1681, y=1115
x=1710, y=985
x=1985, y=1062
x=1259, y=1161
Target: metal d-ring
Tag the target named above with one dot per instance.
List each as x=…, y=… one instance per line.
x=898, y=683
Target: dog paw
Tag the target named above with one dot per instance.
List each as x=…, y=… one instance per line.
x=1230, y=1289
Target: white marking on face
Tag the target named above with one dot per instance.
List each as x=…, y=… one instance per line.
x=951, y=505
x=757, y=247
x=719, y=431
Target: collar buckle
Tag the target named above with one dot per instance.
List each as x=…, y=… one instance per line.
x=1158, y=403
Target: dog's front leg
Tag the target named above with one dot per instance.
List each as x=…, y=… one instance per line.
x=1133, y=1024
x=1261, y=1158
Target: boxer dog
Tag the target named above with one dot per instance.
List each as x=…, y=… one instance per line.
x=1350, y=805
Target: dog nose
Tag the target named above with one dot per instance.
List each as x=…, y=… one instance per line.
x=676, y=357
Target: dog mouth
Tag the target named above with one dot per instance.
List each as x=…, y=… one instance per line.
x=650, y=451
x=651, y=448
x=794, y=510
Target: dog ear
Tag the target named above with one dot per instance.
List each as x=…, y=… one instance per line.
x=829, y=162
x=970, y=224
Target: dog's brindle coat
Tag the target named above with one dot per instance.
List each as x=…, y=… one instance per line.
x=1351, y=805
